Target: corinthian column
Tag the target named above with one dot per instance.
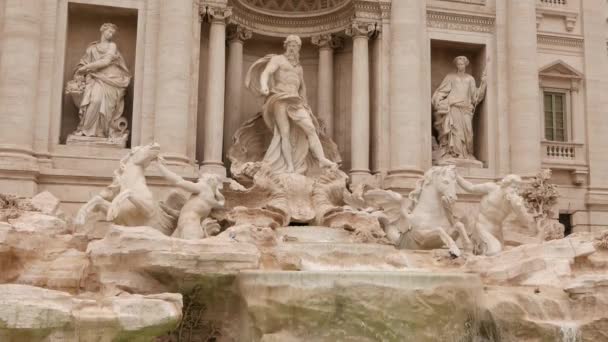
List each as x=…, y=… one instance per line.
x=325, y=91
x=360, y=117
x=409, y=111
x=524, y=123
x=174, y=71
x=214, y=106
x=237, y=35
x=19, y=59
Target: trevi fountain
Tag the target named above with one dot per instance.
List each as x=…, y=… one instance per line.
x=303, y=170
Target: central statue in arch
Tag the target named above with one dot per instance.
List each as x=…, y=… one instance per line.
x=289, y=166
x=286, y=112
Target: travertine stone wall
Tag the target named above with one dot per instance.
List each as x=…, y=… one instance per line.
x=21, y=32
x=523, y=88
x=596, y=81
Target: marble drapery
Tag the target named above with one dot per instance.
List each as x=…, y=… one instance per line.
x=454, y=104
x=296, y=108
x=102, y=103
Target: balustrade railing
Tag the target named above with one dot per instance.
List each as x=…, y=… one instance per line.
x=555, y=152
x=553, y=3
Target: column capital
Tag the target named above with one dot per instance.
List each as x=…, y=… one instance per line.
x=327, y=41
x=362, y=29
x=215, y=13
x=238, y=33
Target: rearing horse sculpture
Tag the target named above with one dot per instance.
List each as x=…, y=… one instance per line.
x=128, y=201
x=429, y=221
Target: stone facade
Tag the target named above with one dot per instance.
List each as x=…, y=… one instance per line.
x=370, y=67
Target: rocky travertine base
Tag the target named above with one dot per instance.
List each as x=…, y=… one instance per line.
x=143, y=260
x=103, y=282
x=34, y=314
x=359, y=306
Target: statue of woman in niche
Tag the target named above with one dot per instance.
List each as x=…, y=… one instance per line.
x=454, y=104
x=99, y=87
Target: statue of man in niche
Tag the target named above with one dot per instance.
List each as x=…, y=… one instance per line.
x=454, y=104
x=286, y=112
x=98, y=88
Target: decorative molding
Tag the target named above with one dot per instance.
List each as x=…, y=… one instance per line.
x=237, y=32
x=570, y=17
x=327, y=41
x=295, y=5
x=460, y=21
x=218, y=14
x=471, y=2
x=560, y=70
x=321, y=18
x=560, y=42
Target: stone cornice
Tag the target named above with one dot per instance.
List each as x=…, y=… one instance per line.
x=560, y=42
x=460, y=21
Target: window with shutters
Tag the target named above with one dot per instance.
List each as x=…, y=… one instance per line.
x=555, y=116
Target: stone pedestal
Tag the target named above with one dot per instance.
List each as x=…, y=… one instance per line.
x=466, y=163
x=98, y=141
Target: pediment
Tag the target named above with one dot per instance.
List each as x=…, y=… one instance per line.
x=560, y=69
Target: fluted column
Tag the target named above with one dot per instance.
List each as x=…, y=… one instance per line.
x=237, y=35
x=325, y=90
x=214, y=105
x=174, y=71
x=360, y=117
x=19, y=59
x=524, y=122
x=409, y=110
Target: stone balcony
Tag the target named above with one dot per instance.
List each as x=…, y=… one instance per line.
x=565, y=156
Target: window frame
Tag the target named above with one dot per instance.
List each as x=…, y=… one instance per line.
x=567, y=106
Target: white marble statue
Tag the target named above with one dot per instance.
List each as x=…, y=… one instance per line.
x=498, y=201
x=286, y=111
x=205, y=196
x=128, y=201
x=454, y=104
x=429, y=221
x=98, y=89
